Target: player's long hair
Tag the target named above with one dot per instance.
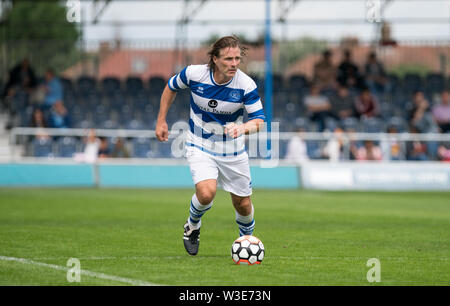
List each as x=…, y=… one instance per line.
x=224, y=42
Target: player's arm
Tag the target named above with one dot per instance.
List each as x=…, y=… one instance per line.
x=167, y=98
x=249, y=127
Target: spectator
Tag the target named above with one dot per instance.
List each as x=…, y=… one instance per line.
x=59, y=117
x=420, y=116
x=21, y=77
x=347, y=72
x=391, y=147
x=444, y=153
x=90, y=153
x=416, y=150
x=342, y=104
x=325, y=72
x=103, y=150
x=370, y=151
x=53, y=89
x=296, y=149
x=375, y=76
x=119, y=150
x=38, y=121
x=318, y=106
x=441, y=112
x=366, y=105
x=334, y=150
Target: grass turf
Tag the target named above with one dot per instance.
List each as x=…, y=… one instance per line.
x=311, y=237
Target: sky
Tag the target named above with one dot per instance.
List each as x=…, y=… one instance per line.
x=127, y=19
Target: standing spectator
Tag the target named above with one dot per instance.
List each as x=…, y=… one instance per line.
x=342, y=104
x=441, y=112
x=325, y=72
x=21, y=77
x=347, y=72
x=318, y=106
x=296, y=149
x=366, y=105
x=334, y=150
x=375, y=75
x=59, y=117
x=91, y=148
x=420, y=116
x=53, y=89
x=38, y=121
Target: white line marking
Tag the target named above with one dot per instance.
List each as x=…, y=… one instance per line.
x=114, y=278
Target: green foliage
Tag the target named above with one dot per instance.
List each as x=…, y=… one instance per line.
x=39, y=30
x=292, y=51
x=403, y=69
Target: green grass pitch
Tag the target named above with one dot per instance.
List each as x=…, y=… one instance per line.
x=311, y=237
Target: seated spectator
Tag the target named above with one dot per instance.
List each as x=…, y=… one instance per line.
x=416, y=150
x=38, y=121
x=370, y=151
x=325, y=72
x=444, y=153
x=296, y=149
x=59, y=118
x=375, y=75
x=347, y=72
x=119, y=150
x=441, y=112
x=420, y=116
x=318, y=106
x=103, y=149
x=53, y=89
x=21, y=77
x=366, y=105
x=342, y=104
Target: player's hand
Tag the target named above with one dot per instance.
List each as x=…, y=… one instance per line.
x=162, y=131
x=234, y=130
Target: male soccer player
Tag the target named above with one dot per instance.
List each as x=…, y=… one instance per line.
x=215, y=146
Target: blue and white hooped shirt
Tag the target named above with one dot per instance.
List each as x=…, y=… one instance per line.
x=213, y=106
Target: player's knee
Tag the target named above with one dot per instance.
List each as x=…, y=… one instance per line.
x=206, y=195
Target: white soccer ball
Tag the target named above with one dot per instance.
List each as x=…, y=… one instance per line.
x=247, y=250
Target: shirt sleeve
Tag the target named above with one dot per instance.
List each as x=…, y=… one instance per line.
x=180, y=80
x=252, y=103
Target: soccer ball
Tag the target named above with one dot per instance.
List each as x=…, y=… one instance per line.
x=247, y=250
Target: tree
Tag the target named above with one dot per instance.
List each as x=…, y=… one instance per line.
x=38, y=30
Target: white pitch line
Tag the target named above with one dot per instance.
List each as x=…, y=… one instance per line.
x=114, y=278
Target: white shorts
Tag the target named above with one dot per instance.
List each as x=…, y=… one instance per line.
x=232, y=173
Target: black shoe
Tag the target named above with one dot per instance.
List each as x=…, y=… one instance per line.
x=191, y=239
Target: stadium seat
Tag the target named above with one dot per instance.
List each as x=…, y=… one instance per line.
x=42, y=147
x=351, y=124
x=411, y=83
x=372, y=125
x=434, y=83
x=111, y=84
x=141, y=147
x=297, y=82
x=67, y=84
x=400, y=124
x=156, y=84
x=86, y=84
x=134, y=85
x=66, y=146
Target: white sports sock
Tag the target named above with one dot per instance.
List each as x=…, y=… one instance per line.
x=246, y=224
x=196, y=211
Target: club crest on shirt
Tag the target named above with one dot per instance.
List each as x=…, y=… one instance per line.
x=212, y=103
x=234, y=95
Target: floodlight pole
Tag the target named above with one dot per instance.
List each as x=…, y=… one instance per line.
x=268, y=77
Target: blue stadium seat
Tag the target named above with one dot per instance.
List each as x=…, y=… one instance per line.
x=67, y=146
x=434, y=83
x=156, y=84
x=351, y=124
x=141, y=147
x=372, y=125
x=111, y=84
x=400, y=124
x=297, y=82
x=134, y=85
x=411, y=83
x=42, y=147
x=86, y=84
